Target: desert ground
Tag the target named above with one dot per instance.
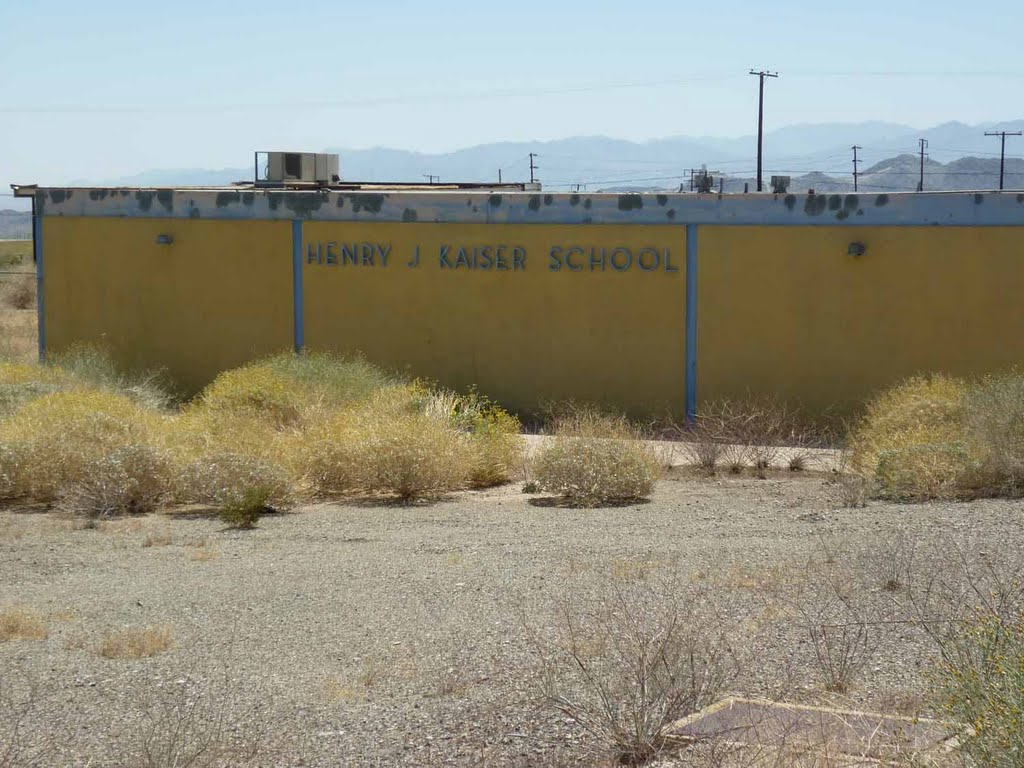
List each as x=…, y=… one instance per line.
x=369, y=634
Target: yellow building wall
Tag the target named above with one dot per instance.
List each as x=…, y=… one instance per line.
x=520, y=335
x=220, y=295
x=786, y=311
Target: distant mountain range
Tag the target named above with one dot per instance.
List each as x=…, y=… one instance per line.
x=598, y=162
x=901, y=174
x=15, y=225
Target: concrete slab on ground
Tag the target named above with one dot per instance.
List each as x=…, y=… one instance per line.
x=848, y=737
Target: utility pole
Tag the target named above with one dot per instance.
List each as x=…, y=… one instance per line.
x=855, y=161
x=1002, y=150
x=760, y=118
x=499, y=175
x=532, y=167
x=923, y=144
x=431, y=178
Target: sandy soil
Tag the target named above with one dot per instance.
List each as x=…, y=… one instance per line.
x=367, y=634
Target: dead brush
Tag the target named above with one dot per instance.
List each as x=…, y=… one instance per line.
x=20, y=622
x=59, y=439
x=595, y=459
x=626, y=664
x=19, y=292
x=838, y=621
x=130, y=480
x=750, y=432
x=23, y=744
x=205, y=719
x=390, y=445
x=967, y=596
x=137, y=643
x=886, y=561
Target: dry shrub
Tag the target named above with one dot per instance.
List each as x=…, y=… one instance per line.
x=93, y=367
x=22, y=701
x=55, y=441
x=980, y=682
x=136, y=643
x=253, y=390
x=289, y=389
x=495, y=433
x=330, y=380
x=22, y=382
x=970, y=602
x=741, y=433
x=994, y=423
x=206, y=719
x=409, y=454
x=967, y=596
x=130, y=480
x=21, y=623
x=835, y=613
x=924, y=472
x=627, y=663
x=19, y=292
x=922, y=412
x=938, y=438
x=240, y=487
x=596, y=459
x=161, y=538
x=389, y=444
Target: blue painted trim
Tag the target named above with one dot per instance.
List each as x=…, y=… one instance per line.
x=298, y=314
x=691, y=322
x=37, y=253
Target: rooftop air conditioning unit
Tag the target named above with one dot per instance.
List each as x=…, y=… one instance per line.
x=780, y=184
x=299, y=166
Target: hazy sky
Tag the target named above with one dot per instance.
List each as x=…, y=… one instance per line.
x=104, y=88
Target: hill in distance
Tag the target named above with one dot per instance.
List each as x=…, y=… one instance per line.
x=599, y=162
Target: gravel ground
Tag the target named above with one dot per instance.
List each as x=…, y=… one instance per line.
x=368, y=634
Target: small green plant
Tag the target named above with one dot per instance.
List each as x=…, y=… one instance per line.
x=241, y=488
x=245, y=510
x=595, y=459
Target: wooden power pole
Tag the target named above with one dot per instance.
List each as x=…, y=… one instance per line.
x=760, y=120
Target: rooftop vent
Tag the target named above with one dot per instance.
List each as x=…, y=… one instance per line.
x=287, y=167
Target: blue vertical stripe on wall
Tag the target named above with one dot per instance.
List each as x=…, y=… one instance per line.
x=37, y=254
x=297, y=299
x=691, y=322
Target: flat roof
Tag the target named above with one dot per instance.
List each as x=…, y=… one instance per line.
x=501, y=205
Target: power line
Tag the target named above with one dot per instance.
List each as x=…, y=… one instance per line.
x=1002, y=151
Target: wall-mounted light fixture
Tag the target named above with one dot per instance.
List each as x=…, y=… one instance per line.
x=856, y=249
x=164, y=239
